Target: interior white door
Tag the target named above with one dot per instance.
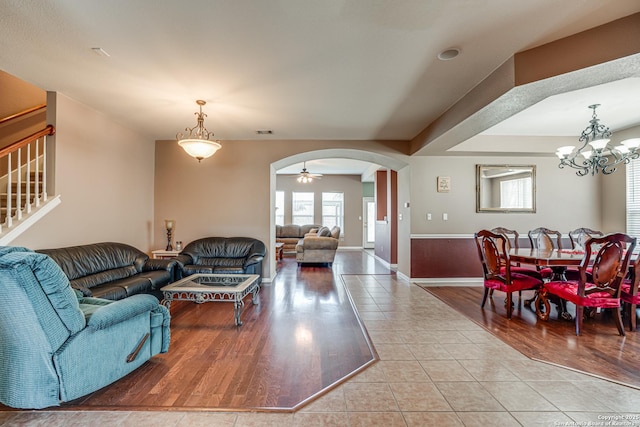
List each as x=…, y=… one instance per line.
x=368, y=222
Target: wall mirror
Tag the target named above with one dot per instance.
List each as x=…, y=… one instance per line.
x=506, y=188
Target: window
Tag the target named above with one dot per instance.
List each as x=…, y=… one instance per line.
x=302, y=204
x=279, y=207
x=633, y=198
x=333, y=210
x=516, y=193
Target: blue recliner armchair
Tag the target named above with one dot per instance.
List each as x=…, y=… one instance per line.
x=56, y=345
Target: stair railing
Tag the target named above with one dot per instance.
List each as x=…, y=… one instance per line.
x=38, y=142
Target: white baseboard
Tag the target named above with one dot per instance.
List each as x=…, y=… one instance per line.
x=447, y=281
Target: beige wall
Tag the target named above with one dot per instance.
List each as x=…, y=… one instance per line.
x=564, y=201
x=105, y=179
x=614, y=198
x=231, y=193
x=16, y=97
x=350, y=185
x=404, y=220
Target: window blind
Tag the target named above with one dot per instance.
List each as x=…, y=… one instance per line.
x=302, y=207
x=633, y=198
x=516, y=193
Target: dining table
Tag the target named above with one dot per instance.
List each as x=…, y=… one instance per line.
x=556, y=259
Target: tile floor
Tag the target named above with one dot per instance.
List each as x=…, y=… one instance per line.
x=435, y=369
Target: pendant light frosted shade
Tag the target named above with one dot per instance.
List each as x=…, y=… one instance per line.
x=199, y=148
x=198, y=143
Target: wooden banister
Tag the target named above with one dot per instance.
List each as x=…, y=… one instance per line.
x=23, y=113
x=49, y=130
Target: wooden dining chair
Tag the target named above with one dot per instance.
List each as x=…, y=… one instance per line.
x=629, y=293
x=513, y=242
x=610, y=255
x=578, y=238
x=496, y=266
x=544, y=238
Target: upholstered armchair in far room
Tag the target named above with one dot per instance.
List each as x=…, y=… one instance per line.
x=319, y=247
x=56, y=345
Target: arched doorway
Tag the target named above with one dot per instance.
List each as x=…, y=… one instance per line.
x=384, y=161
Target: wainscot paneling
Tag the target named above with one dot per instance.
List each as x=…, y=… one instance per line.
x=444, y=256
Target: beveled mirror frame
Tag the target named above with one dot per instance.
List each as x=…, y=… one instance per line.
x=485, y=202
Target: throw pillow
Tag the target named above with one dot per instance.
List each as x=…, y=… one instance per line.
x=335, y=232
x=324, y=232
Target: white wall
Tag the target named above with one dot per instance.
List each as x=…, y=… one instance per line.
x=104, y=174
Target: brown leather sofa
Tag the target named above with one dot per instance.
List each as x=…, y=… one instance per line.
x=290, y=234
x=113, y=270
x=319, y=247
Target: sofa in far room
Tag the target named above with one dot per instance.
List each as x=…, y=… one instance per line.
x=290, y=234
x=318, y=247
x=112, y=270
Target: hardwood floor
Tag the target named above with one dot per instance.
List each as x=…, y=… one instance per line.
x=303, y=338
x=599, y=350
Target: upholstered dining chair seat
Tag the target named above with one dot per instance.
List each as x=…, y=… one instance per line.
x=519, y=282
x=629, y=295
x=569, y=291
x=546, y=273
x=523, y=270
x=626, y=294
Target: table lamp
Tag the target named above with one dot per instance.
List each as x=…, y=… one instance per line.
x=169, y=224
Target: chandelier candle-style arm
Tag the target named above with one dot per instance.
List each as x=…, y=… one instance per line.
x=596, y=154
x=198, y=142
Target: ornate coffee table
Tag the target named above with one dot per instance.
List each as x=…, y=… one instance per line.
x=201, y=288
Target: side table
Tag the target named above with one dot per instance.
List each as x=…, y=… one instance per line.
x=162, y=254
x=279, y=250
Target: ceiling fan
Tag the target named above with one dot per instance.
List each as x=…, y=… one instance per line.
x=305, y=176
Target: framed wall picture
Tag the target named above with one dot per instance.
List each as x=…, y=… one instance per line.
x=444, y=184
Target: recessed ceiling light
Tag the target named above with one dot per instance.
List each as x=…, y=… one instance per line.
x=100, y=51
x=448, y=54
x=264, y=132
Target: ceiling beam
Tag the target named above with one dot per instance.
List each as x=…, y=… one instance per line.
x=599, y=55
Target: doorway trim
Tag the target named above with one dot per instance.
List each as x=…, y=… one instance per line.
x=385, y=161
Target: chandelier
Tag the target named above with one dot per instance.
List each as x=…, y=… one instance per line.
x=596, y=154
x=197, y=142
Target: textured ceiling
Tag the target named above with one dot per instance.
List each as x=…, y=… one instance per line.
x=332, y=69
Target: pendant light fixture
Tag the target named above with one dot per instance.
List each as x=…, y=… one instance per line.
x=198, y=142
